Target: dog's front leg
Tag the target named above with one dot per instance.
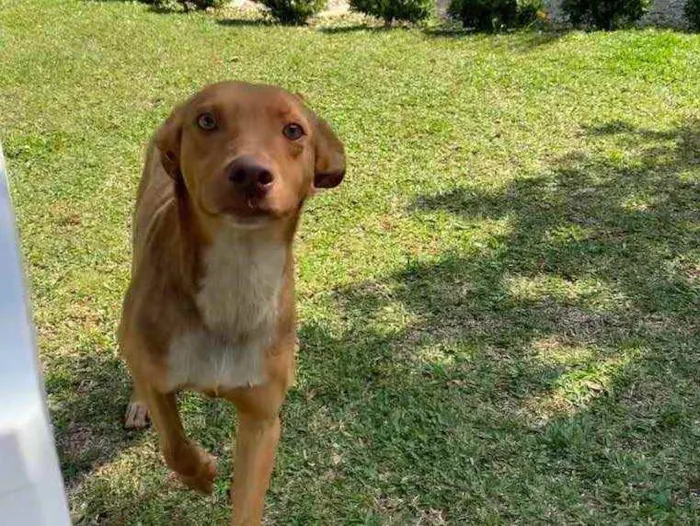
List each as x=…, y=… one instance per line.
x=195, y=468
x=256, y=444
x=256, y=441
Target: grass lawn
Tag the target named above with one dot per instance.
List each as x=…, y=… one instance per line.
x=499, y=307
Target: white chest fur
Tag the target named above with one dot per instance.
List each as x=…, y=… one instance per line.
x=238, y=300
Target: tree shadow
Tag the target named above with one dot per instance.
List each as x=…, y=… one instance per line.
x=529, y=39
x=551, y=371
x=242, y=22
x=355, y=28
x=89, y=393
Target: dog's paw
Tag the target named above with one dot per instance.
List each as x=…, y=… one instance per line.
x=203, y=481
x=136, y=416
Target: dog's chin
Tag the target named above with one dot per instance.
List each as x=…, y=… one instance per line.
x=246, y=222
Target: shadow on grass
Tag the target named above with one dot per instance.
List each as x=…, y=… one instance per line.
x=87, y=409
x=551, y=372
x=356, y=28
x=339, y=30
x=530, y=39
x=241, y=22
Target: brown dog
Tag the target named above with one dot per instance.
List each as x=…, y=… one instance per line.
x=210, y=306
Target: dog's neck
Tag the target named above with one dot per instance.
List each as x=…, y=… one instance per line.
x=242, y=273
x=234, y=275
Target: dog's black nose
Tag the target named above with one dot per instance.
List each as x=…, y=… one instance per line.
x=249, y=174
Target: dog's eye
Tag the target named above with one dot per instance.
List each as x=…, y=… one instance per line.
x=206, y=121
x=293, y=131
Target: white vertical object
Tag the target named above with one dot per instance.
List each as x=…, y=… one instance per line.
x=31, y=487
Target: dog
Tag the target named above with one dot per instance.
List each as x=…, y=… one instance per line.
x=210, y=305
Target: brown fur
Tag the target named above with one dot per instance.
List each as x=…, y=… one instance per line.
x=210, y=305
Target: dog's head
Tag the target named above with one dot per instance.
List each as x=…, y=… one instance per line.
x=248, y=154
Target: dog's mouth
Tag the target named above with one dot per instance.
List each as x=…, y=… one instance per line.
x=247, y=213
x=240, y=213
x=247, y=207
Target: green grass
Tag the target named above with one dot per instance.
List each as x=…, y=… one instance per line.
x=499, y=307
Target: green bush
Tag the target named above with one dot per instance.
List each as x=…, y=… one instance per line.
x=390, y=10
x=485, y=15
x=294, y=12
x=203, y=4
x=187, y=5
x=692, y=13
x=529, y=12
x=604, y=14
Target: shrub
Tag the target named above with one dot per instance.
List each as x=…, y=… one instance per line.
x=187, y=5
x=484, y=15
x=529, y=12
x=202, y=4
x=294, y=12
x=692, y=13
x=390, y=10
x=604, y=14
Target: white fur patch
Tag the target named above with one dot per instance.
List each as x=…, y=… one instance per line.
x=238, y=299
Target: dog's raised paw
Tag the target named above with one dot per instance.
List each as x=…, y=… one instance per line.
x=136, y=416
x=203, y=482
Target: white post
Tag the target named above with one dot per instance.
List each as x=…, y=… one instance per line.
x=31, y=487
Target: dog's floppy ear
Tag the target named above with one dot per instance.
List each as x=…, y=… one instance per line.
x=329, y=169
x=167, y=139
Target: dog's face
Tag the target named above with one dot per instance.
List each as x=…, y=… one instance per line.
x=249, y=154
